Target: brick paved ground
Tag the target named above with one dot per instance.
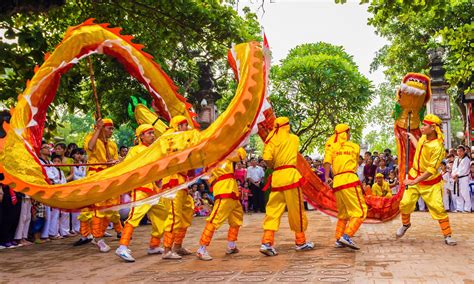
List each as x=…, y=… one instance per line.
x=420, y=257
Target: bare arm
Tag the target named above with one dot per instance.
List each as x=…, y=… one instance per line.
x=95, y=136
x=327, y=169
x=71, y=175
x=412, y=139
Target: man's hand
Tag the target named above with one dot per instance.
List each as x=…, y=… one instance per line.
x=329, y=181
x=409, y=182
x=113, y=162
x=99, y=124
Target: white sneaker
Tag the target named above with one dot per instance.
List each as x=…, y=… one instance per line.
x=103, y=247
x=402, y=230
x=125, y=254
x=305, y=246
x=157, y=250
x=107, y=235
x=204, y=256
x=450, y=241
x=338, y=244
x=268, y=250
x=171, y=255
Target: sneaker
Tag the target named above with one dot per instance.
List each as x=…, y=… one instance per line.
x=103, y=247
x=204, y=256
x=2, y=246
x=157, y=250
x=305, y=246
x=107, y=235
x=82, y=241
x=182, y=251
x=402, y=230
x=449, y=241
x=125, y=254
x=338, y=244
x=347, y=241
x=268, y=250
x=171, y=255
x=231, y=250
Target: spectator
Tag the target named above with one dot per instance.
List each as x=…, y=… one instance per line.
x=255, y=175
x=319, y=170
x=38, y=218
x=70, y=148
x=447, y=186
x=460, y=174
x=360, y=168
x=21, y=234
x=393, y=182
x=123, y=151
x=9, y=215
x=382, y=169
x=381, y=187
x=369, y=172
x=240, y=172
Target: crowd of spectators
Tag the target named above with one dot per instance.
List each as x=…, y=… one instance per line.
x=24, y=221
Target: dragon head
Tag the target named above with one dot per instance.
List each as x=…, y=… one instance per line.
x=412, y=95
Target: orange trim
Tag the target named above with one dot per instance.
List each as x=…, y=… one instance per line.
x=430, y=122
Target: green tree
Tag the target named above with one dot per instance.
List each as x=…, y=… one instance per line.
x=380, y=116
x=318, y=86
x=188, y=38
x=414, y=27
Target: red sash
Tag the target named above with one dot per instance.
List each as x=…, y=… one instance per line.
x=222, y=177
x=301, y=182
x=427, y=182
x=227, y=195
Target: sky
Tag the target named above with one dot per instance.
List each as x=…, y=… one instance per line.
x=288, y=23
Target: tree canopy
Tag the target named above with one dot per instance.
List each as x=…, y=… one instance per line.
x=189, y=39
x=317, y=86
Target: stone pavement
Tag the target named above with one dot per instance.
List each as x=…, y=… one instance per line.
x=420, y=257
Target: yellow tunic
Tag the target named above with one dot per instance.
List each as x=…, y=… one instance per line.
x=383, y=190
x=282, y=150
x=428, y=157
x=343, y=161
x=97, y=155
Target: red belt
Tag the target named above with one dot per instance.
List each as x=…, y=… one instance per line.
x=286, y=187
x=222, y=177
x=227, y=195
x=348, y=185
x=346, y=172
x=427, y=182
x=174, y=182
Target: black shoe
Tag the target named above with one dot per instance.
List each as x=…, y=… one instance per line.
x=119, y=235
x=82, y=241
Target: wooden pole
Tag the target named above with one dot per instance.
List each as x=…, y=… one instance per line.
x=98, y=115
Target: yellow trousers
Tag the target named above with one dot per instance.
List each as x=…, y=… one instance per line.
x=85, y=215
x=351, y=203
x=156, y=213
x=431, y=194
x=226, y=209
x=278, y=202
x=180, y=213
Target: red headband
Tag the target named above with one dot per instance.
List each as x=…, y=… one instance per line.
x=146, y=130
x=108, y=124
x=429, y=122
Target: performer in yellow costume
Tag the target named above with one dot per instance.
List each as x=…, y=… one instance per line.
x=342, y=155
x=425, y=180
x=156, y=213
x=381, y=187
x=95, y=144
x=227, y=206
x=280, y=153
x=181, y=211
